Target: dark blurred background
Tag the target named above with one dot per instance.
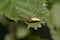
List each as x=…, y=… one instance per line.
x=43, y=33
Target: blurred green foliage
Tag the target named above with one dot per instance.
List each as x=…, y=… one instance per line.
x=13, y=11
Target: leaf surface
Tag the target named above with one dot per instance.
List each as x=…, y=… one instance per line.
x=20, y=9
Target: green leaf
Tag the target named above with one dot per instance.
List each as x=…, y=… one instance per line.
x=34, y=25
x=20, y=9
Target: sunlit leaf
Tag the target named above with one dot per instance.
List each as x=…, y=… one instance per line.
x=20, y=9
